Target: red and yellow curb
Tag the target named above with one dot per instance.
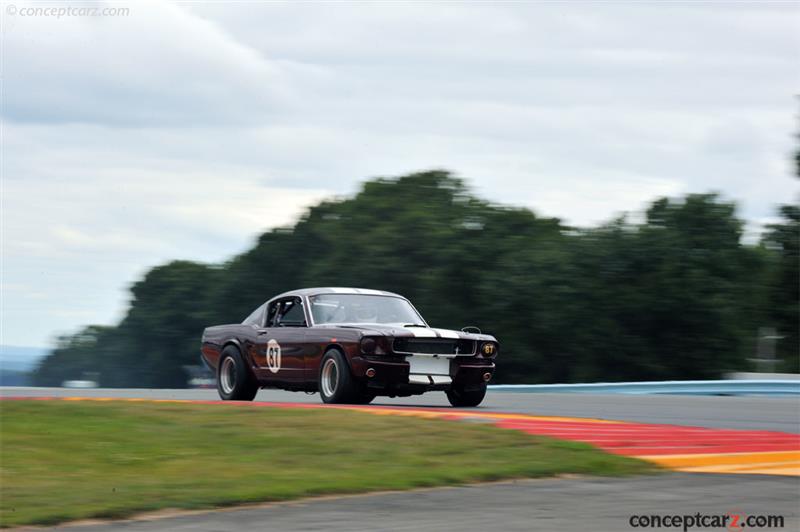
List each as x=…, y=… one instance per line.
x=679, y=448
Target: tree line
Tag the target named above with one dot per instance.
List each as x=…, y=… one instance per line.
x=675, y=295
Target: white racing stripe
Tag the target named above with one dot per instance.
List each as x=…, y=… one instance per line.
x=444, y=333
x=422, y=333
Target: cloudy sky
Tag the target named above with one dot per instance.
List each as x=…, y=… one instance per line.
x=184, y=130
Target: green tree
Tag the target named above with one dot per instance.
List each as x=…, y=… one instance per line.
x=74, y=357
x=160, y=334
x=676, y=296
x=784, y=286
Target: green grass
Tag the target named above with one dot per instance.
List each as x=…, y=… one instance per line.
x=62, y=460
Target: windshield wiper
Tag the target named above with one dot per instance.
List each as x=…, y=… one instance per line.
x=415, y=325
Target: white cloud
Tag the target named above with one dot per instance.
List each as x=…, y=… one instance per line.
x=158, y=66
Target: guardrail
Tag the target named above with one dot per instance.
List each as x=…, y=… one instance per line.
x=726, y=387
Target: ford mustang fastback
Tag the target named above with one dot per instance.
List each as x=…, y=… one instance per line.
x=350, y=345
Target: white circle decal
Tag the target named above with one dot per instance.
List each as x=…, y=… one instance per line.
x=273, y=356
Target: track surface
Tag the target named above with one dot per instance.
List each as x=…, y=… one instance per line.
x=750, y=413
x=568, y=505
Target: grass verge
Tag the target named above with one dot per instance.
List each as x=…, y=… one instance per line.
x=62, y=460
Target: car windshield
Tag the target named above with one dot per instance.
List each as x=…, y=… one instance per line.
x=356, y=308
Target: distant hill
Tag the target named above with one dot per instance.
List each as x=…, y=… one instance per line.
x=17, y=358
x=14, y=378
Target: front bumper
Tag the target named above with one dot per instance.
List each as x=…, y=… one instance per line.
x=392, y=374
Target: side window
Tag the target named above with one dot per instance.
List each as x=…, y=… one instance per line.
x=272, y=313
x=256, y=318
x=291, y=313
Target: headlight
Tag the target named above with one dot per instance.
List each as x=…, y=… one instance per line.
x=368, y=345
x=489, y=349
x=372, y=346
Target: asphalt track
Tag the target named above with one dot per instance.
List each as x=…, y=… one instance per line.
x=555, y=504
x=749, y=413
x=568, y=505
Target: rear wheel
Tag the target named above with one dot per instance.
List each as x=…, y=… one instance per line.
x=235, y=382
x=336, y=384
x=461, y=398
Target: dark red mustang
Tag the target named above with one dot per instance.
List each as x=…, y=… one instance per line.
x=350, y=344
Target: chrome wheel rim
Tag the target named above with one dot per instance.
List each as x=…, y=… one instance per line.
x=227, y=375
x=330, y=377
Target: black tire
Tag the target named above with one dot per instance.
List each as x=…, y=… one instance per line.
x=235, y=381
x=336, y=383
x=364, y=398
x=461, y=398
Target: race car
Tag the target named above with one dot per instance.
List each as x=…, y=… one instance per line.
x=350, y=345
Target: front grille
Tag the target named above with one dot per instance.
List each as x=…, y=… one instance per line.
x=434, y=346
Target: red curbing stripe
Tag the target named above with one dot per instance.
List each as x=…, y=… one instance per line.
x=635, y=439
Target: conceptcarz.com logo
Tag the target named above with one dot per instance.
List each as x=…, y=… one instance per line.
x=733, y=521
x=66, y=11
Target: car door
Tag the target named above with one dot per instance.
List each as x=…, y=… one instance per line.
x=279, y=353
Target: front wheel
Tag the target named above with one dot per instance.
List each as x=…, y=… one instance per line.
x=234, y=380
x=336, y=383
x=461, y=398
x=364, y=398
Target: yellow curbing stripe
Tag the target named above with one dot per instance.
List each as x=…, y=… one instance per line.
x=124, y=399
x=690, y=460
x=789, y=471
x=527, y=417
x=773, y=468
x=478, y=415
x=755, y=463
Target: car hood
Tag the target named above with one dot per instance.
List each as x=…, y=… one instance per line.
x=399, y=331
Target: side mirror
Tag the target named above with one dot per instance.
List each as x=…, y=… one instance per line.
x=470, y=329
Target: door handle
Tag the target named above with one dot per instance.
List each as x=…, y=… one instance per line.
x=262, y=333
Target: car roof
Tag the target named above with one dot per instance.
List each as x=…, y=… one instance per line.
x=336, y=290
